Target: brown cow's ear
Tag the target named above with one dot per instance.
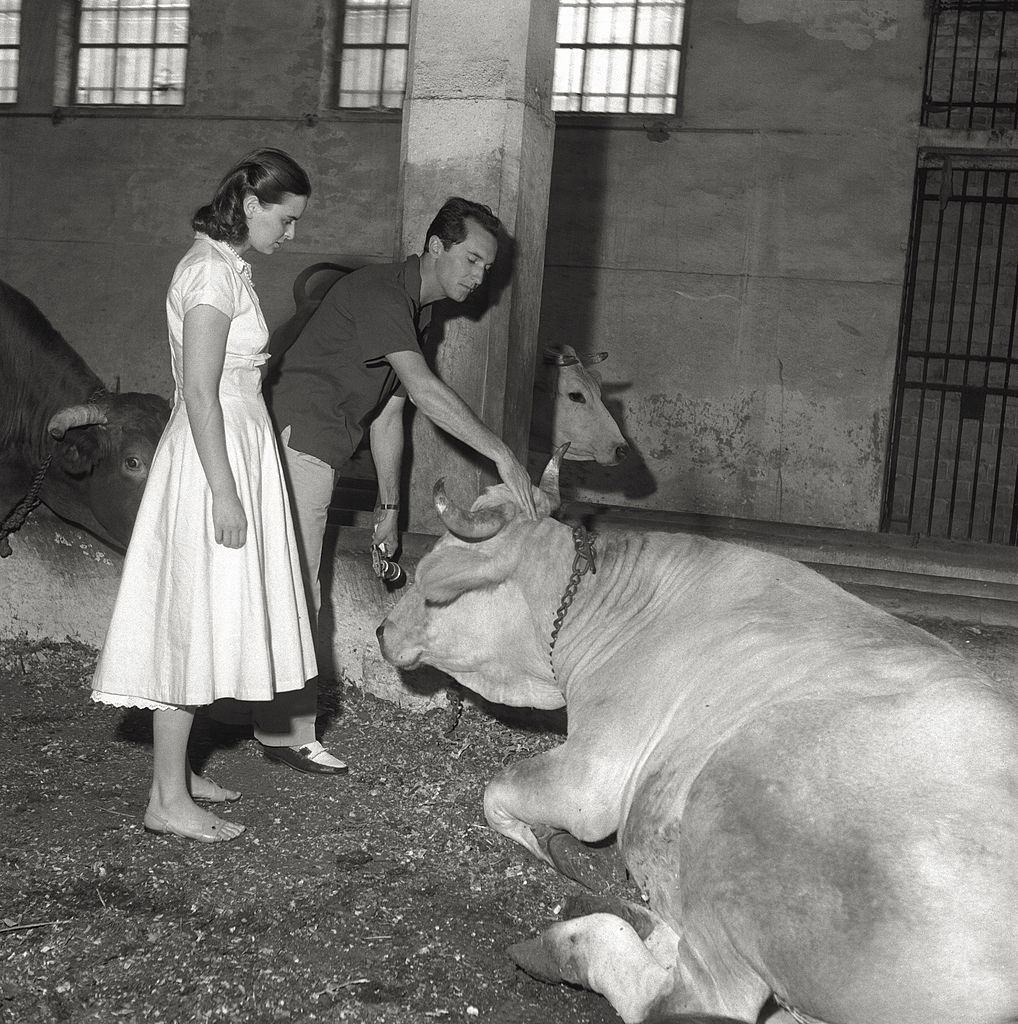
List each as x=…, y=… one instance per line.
x=455, y=572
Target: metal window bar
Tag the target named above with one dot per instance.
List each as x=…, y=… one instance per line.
x=590, y=101
x=952, y=467
x=380, y=88
x=971, y=73
x=10, y=49
x=113, y=91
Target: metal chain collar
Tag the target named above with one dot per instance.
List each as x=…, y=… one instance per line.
x=583, y=563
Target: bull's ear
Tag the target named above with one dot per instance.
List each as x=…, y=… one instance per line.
x=454, y=572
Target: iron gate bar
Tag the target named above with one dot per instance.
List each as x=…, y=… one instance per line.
x=950, y=323
x=1003, y=409
x=904, y=334
x=942, y=64
x=968, y=356
x=974, y=201
x=994, y=295
x=929, y=330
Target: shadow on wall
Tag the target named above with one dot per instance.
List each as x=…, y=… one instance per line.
x=574, y=258
x=631, y=478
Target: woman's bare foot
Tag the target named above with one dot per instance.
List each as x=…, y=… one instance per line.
x=210, y=791
x=190, y=822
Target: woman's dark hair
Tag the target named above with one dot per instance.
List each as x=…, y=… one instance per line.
x=268, y=174
x=450, y=222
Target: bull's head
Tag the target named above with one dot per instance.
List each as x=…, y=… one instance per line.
x=103, y=451
x=569, y=409
x=485, y=594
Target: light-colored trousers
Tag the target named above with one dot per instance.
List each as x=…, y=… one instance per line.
x=289, y=719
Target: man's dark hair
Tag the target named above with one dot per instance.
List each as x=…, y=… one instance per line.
x=450, y=222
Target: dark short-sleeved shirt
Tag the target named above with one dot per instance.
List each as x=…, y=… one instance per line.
x=335, y=377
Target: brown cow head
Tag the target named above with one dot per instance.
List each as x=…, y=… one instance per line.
x=103, y=451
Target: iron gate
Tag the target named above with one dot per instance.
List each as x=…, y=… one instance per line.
x=953, y=460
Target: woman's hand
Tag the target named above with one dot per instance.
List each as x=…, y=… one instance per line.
x=229, y=521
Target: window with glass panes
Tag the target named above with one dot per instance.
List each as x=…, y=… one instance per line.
x=371, y=51
x=10, y=43
x=618, y=56
x=131, y=52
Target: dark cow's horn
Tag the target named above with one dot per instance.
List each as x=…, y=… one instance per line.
x=467, y=525
x=74, y=416
x=549, y=478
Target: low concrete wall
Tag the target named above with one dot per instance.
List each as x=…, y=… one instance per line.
x=60, y=582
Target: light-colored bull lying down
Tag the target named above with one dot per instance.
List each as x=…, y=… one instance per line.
x=817, y=800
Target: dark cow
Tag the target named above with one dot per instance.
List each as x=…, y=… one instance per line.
x=818, y=801
x=50, y=401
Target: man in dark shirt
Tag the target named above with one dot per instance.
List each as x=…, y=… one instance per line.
x=350, y=370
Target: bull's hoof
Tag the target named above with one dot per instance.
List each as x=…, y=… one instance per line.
x=533, y=957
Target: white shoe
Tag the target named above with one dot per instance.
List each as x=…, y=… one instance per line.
x=311, y=758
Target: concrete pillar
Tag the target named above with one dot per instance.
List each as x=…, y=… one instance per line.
x=478, y=123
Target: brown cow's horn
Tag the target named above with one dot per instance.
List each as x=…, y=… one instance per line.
x=549, y=478
x=74, y=416
x=479, y=525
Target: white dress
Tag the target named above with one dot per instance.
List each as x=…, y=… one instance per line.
x=195, y=621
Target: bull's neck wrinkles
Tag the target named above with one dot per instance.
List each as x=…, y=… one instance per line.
x=634, y=582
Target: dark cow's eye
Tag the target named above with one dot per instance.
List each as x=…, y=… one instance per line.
x=133, y=463
x=577, y=396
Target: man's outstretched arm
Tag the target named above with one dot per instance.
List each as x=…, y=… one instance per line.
x=386, y=438
x=448, y=411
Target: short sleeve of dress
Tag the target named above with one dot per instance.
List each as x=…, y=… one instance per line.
x=207, y=283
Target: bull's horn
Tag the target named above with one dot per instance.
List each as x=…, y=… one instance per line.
x=552, y=355
x=479, y=525
x=597, y=357
x=549, y=478
x=74, y=416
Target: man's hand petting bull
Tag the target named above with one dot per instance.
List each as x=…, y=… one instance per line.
x=517, y=479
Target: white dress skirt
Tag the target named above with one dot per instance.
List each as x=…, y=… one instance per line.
x=195, y=621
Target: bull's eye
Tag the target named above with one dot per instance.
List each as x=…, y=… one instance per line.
x=133, y=463
x=577, y=396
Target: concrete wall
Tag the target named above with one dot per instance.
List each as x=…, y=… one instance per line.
x=95, y=205
x=746, y=272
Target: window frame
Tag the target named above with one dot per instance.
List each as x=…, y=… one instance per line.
x=75, y=48
x=634, y=120
x=333, y=60
x=17, y=49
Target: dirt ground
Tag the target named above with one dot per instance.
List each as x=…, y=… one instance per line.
x=378, y=897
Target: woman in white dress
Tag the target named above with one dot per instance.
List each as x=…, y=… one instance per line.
x=211, y=603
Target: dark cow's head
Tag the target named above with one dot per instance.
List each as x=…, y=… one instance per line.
x=485, y=595
x=102, y=452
